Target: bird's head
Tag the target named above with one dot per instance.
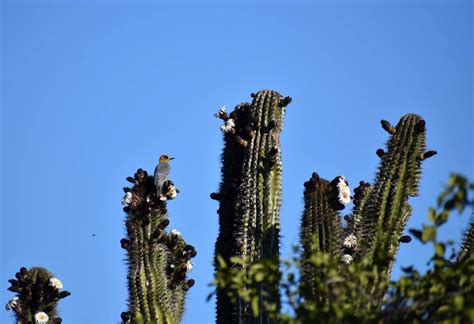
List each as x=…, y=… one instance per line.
x=165, y=158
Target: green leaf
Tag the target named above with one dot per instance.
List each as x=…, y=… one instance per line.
x=429, y=233
x=221, y=261
x=259, y=277
x=442, y=217
x=440, y=249
x=255, y=306
x=408, y=269
x=416, y=233
x=432, y=214
x=459, y=302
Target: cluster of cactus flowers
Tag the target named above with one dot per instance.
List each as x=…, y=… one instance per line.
x=37, y=295
x=250, y=193
x=158, y=261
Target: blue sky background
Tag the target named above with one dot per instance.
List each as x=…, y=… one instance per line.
x=91, y=91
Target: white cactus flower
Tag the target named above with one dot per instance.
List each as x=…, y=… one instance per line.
x=344, y=191
x=175, y=232
x=228, y=126
x=189, y=266
x=55, y=283
x=220, y=112
x=171, y=192
x=172, y=266
x=41, y=318
x=127, y=198
x=12, y=304
x=350, y=241
x=347, y=258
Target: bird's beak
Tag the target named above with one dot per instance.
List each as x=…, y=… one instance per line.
x=171, y=159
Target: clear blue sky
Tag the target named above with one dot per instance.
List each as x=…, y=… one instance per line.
x=91, y=91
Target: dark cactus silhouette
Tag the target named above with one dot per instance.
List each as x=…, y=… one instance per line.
x=250, y=191
x=37, y=295
x=158, y=261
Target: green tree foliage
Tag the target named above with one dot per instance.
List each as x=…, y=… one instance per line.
x=446, y=291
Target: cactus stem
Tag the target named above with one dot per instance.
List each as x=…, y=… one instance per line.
x=251, y=181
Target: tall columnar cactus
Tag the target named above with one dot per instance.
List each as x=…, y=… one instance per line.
x=374, y=230
x=158, y=261
x=250, y=191
x=321, y=228
x=37, y=295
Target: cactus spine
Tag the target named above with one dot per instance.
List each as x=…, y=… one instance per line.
x=250, y=191
x=158, y=261
x=37, y=296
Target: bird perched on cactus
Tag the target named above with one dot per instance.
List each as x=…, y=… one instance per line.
x=162, y=171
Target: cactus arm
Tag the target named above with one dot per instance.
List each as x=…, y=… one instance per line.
x=382, y=210
x=320, y=229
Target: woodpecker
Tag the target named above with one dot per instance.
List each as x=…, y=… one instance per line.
x=162, y=171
